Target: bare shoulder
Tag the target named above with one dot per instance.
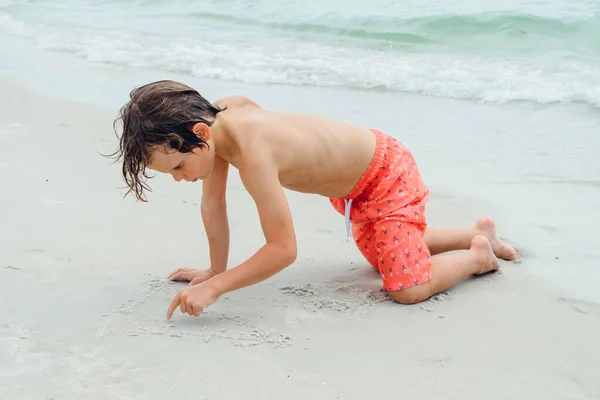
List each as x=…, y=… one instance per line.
x=256, y=156
x=236, y=101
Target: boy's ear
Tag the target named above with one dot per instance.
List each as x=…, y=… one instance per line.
x=201, y=130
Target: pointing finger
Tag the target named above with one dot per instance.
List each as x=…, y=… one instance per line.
x=173, y=306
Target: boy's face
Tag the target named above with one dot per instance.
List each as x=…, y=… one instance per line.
x=190, y=167
x=197, y=164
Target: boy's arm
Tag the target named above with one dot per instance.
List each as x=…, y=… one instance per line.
x=261, y=179
x=213, y=208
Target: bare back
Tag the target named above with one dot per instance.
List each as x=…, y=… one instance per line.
x=314, y=154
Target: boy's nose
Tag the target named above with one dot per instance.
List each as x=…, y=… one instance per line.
x=177, y=178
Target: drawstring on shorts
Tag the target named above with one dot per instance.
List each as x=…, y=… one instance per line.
x=347, y=216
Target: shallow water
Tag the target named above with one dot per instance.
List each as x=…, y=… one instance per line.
x=542, y=50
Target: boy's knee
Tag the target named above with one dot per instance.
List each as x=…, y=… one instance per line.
x=411, y=295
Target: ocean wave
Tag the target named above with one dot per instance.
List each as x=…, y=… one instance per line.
x=442, y=73
x=425, y=29
x=15, y=27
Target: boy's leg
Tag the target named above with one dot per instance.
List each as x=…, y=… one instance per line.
x=409, y=273
x=448, y=269
x=441, y=240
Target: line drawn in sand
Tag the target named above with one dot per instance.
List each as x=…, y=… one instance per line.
x=130, y=320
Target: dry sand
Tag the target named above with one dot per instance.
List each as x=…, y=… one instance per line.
x=83, y=295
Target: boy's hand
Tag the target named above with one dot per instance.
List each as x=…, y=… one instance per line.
x=194, y=299
x=192, y=275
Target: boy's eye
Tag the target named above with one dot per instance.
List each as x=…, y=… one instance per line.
x=179, y=166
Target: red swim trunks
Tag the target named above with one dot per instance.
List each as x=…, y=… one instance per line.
x=386, y=210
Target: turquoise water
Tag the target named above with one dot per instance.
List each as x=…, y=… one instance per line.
x=541, y=51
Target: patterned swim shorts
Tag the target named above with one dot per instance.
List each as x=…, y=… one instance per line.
x=385, y=212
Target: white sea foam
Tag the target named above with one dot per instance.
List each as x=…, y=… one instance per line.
x=249, y=52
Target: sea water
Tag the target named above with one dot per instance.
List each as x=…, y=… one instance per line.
x=537, y=50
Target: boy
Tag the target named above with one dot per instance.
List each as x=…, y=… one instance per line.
x=369, y=177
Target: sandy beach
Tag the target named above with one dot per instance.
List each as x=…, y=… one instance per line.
x=83, y=288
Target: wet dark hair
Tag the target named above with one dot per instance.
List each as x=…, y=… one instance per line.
x=159, y=114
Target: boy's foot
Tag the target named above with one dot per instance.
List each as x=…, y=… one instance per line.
x=487, y=227
x=486, y=260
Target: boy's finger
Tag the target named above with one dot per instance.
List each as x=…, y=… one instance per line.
x=176, y=277
x=178, y=270
x=183, y=276
x=188, y=276
x=173, y=306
